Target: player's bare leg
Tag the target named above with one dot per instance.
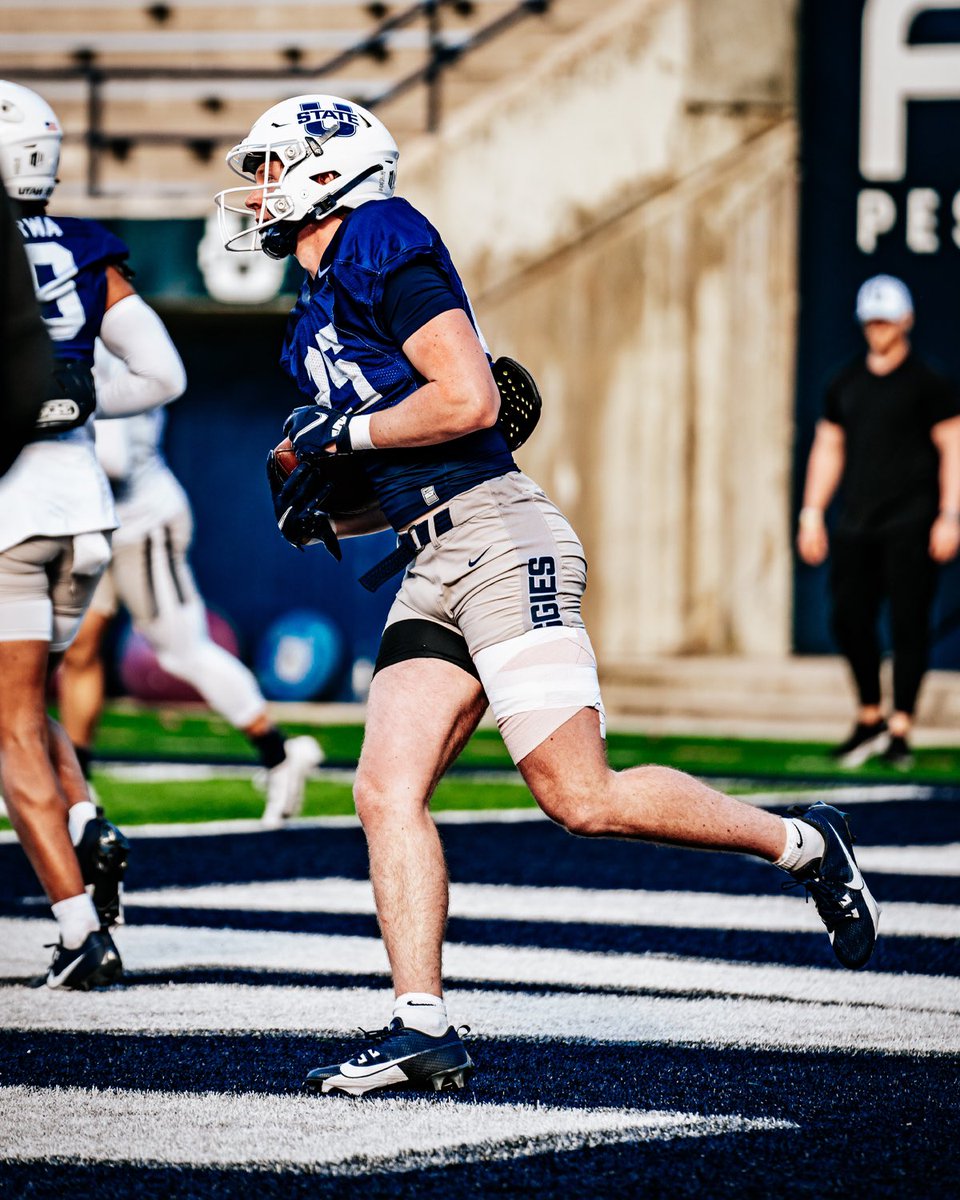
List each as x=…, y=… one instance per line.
x=82, y=681
x=571, y=781
x=37, y=806
x=401, y=763
x=402, y=760
x=85, y=955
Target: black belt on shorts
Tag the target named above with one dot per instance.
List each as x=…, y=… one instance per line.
x=409, y=545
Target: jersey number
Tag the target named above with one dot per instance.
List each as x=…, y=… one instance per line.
x=63, y=312
x=328, y=372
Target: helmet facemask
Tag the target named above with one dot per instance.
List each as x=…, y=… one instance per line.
x=314, y=137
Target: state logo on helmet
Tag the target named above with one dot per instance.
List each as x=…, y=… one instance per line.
x=30, y=139
x=308, y=137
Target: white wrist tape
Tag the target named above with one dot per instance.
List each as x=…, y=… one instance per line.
x=360, y=433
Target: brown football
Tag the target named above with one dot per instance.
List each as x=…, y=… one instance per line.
x=352, y=492
x=285, y=457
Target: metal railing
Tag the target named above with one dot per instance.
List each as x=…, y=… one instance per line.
x=441, y=55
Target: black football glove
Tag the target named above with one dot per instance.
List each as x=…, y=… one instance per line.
x=298, y=504
x=313, y=430
x=275, y=476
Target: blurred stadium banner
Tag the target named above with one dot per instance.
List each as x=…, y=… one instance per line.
x=880, y=193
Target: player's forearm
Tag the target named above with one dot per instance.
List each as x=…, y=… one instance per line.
x=824, y=472
x=460, y=396
x=947, y=440
x=357, y=524
x=153, y=372
x=436, y=413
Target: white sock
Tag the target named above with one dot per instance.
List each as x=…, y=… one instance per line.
x=77, y=818
x=77, y=918
x=804, y=844
x=420, y=1010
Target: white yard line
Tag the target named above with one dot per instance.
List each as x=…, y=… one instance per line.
x=331, y=1134
x=181, y=1009
x=673, y=909
x=700, y=1000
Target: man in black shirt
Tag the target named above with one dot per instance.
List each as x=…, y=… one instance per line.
x=890, y=433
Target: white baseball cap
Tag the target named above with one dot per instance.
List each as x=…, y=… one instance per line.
x=883, y=298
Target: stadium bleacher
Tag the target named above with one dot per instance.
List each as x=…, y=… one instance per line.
x=151, y=96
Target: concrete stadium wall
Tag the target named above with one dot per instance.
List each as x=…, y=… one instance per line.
x=625, y=219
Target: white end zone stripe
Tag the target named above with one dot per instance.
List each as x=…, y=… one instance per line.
x=905, y=1000
x=758, y=1023
x=160, y=948
x=330, y=1134
x=679, y=910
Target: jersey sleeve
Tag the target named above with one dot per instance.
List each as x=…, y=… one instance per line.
x=381, y=242
x=106, y=247
x=412, y=296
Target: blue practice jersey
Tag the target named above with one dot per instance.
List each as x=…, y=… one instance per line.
x=69, y=257
x=338, y=352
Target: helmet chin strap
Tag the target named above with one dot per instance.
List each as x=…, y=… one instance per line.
x=280, y=240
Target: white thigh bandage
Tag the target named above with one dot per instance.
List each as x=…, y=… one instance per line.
x=537, y=681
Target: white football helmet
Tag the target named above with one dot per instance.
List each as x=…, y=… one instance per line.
x=308, y=136
x=30, y=137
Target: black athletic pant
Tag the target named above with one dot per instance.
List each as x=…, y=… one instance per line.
x=866, y=569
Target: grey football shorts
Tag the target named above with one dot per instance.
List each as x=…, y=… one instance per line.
x=151, y=578
x=43, y=595
x=509, y=578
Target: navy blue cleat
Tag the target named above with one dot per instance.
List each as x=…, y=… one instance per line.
x=398, y=1057
x=102, y=853
x=94, y=964
x=837, y=887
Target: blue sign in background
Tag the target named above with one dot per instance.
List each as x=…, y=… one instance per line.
x=923, y=248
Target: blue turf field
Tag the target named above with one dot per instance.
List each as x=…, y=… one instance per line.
x=645, y=1022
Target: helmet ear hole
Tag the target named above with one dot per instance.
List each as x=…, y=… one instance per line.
x=333, y=153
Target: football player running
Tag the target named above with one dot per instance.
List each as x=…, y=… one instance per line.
x=150, y=576
x=56, y=516
x=384, y=344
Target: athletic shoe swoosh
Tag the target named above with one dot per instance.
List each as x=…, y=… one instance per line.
x=56, y=980
x=472, y=562
x=352, y=1070
x=856, y=879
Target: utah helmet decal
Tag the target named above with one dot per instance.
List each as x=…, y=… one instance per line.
x=319, y=120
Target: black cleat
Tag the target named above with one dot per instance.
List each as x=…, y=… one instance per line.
x=838, y=889
x=897, y=754
x=102, y=853
x=94, y=964
x=865, y=742
x=398, y=1056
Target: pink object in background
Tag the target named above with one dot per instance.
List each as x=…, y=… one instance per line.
x=144, y=679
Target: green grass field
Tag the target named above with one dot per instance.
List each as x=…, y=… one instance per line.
x=192, y=735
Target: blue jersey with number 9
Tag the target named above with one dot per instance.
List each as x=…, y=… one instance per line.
x=69, y=257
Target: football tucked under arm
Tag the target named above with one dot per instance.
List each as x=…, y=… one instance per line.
x=319, y=501
x=350, y=494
